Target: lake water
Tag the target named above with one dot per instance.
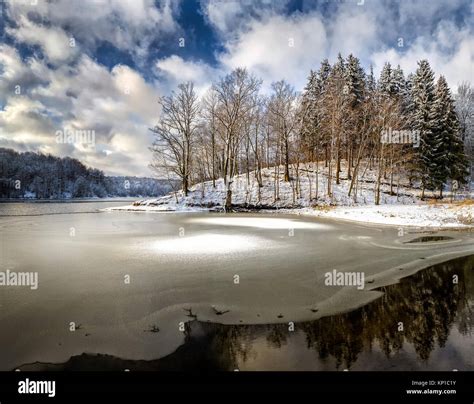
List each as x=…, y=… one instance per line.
x=246, y=291
x=37, y=208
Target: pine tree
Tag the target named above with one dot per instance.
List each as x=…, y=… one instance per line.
x=323, y=75
x=423, y=120
x=442, y=132
x=355, y=80
x=309, y=108
x=398, y=81
x=338, y=71
x=407, y=99
x=314, y=90
x=450, y=161
x=458, y=160
x=311, y=89
x=385, y=84
x=371, y=83
x=465, y=113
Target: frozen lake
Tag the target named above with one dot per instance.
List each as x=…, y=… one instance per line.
x=142, y=285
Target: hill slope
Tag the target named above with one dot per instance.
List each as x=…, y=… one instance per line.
x=404, y=209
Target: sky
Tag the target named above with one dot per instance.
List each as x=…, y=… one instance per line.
x=99, y=66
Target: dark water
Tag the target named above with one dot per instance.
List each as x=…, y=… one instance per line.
x=425, y=322
x=54, y=207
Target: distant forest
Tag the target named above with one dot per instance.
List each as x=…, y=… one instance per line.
x=40, y=176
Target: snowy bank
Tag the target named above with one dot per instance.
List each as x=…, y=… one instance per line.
x=400, y=203
x=426, y=215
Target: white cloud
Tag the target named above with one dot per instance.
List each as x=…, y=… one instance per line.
x=176, y=70
x=25, y=118
x=54, y=42
x=450, y=53
x=14, y=72
x=352, y=31
x=118, y=105
x=230, y=17
x=223, y=14
x=129, y=25
x=266, y=49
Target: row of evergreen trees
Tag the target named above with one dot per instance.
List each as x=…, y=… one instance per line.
x=341, y=103
x=432, y=112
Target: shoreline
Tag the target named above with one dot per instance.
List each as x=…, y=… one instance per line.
x=433, y=216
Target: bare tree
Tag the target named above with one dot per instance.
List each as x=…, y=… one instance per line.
x=236, y=95
x=209, y=114
x=174, y=134
x=334, y=118
x=465, y=112
x=282, y=110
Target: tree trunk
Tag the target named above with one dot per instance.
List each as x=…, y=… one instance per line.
x=349, y=163
x=338, y=162
x=228, y=200
x=185, y=185
x=287, y=161
x=213, y=161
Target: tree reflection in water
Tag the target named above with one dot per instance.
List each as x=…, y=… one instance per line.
x=428, y=305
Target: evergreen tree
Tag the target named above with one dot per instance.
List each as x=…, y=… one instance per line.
x=339, y=68
x=442, y=132
x=371, y=83
x=385, y=84
x=398, y=81
x=465, y=113
x=407, y=99
x=423, y=120
x=314, y=90
x=309, y=108
x=355, y=80
x=450, y=161
x=323, y=75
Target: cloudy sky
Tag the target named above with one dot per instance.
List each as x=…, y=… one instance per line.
x=100, y=65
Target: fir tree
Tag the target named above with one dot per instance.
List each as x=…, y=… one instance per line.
x=442, y=132
x=323, y=75
x=338, y=71
x=407, y=99
x=371, y=83
x=465, y=113
x=355, y=80
x=398, y=81
x=309, y=110
x=385, y=84
x=314, y=90
x=450, y=161
x=423, y=120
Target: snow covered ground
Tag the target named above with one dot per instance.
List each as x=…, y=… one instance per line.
x=406, y=209
x=425, y=215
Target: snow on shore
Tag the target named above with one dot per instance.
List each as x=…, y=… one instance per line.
x=426, y=215
x=406, y=209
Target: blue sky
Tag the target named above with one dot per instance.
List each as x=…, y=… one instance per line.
x=102, y=64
